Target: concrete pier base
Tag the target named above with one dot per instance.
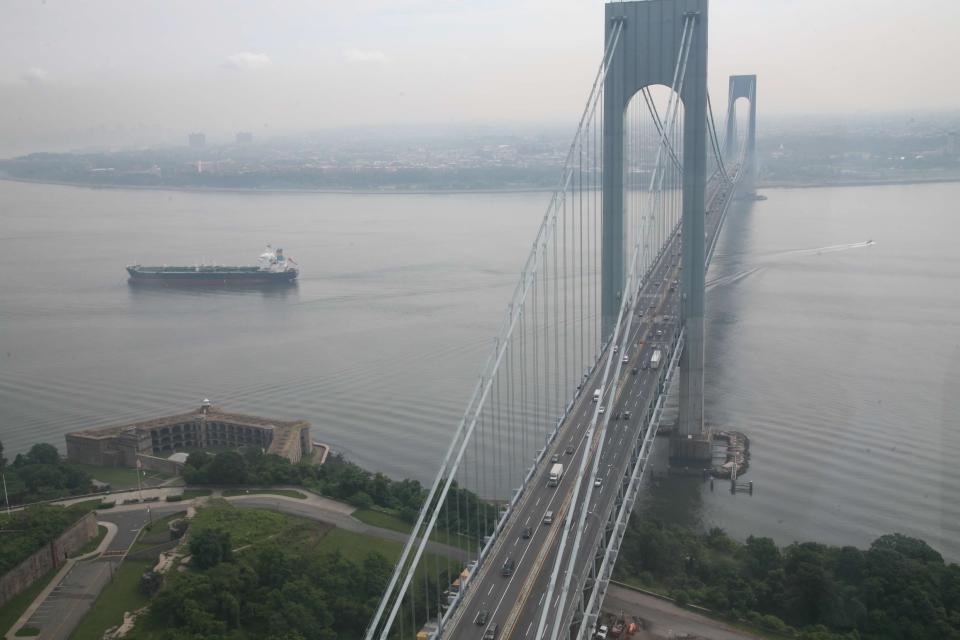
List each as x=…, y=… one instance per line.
x=691, y=450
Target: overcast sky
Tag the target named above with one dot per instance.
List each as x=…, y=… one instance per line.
x=277, y=66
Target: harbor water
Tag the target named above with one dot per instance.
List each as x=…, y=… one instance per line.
x=833, y=337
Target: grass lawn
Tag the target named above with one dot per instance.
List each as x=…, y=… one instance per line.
x=121, y=477
x=92, y=544
x=14, y=608
x=246, y=526
x=119, y=596
x=156, y=533
x=383, y=520
x=290, y=493
x=189, y=494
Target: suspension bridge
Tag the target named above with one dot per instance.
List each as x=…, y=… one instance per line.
x=607, y=320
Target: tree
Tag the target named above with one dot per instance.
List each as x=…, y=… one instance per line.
x=211, y=547
x=198, y=459
x=906, y=546
x=227, y=468
x=763, y=556
x=43, y=453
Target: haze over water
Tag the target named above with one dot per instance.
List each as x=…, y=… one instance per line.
x=839, y=359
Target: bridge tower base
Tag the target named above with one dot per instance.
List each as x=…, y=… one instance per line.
x=691, y=450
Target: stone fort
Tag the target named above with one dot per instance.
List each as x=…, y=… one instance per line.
x=208, y=427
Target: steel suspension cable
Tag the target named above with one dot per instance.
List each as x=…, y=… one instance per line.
x=684, y=46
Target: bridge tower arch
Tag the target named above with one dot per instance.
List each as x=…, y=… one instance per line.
x=647, y=53
x=742, y=86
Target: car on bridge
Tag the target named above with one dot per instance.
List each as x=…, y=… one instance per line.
x=569, y=450
x=598, y=481
x=491, y=632
x=527, y=532
x=602, y=410
x=555, y=458
x=482, y=616
x=508, y=567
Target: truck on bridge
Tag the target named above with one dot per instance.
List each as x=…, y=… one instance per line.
x=556, y=472
x=655, y=358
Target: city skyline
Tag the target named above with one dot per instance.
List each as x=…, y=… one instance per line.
x=157, y=70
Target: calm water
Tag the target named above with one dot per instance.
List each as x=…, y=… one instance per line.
x=841, y=361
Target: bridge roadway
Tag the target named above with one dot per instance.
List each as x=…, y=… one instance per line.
x=514, y=603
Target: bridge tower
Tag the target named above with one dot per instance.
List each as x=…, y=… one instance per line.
x=743, y=86
x=647, y=55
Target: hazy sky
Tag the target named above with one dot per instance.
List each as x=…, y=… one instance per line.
x=165, y=67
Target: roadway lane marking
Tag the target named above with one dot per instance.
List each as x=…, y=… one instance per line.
x=491, y=588
x=542, y=596
x=527, y=632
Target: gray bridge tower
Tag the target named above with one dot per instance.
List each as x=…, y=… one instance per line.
x=743, y=87
x=647, y=55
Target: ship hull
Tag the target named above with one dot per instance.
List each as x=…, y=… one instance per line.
x=166, y=276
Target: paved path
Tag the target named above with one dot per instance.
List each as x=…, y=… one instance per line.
x=666, y=620
x=318, y=509
x=61, y=606
x=68, y=597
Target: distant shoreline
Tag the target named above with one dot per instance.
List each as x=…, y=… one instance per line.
x=855, y=183
x=413, y=192
x=368, y=192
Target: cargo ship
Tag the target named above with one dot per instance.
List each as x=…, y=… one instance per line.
x=272, y=268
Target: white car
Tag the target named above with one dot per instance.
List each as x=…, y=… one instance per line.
x=603, y=410
x=597, y=482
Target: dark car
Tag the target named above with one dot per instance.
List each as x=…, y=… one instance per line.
x=626, y=415
x=527, y=532
x=569, y=449
x=555, y=458
x=491, y=632
x=634, y=371
x=482, y=616
x=508, y=567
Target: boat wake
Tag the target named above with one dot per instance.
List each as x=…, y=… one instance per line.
x=732, y=278
x=830, y=249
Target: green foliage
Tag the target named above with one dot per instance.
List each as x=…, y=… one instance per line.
x=41, y=475
x=340, y=479
x=246, y=526
x=13, y=608
x=120, y=595
x=210, y=547
x=43, y=453
x=898, y=589
x=24, y=532
x=280, y=588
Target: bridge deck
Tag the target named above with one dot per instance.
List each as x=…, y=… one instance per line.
x=514, y=603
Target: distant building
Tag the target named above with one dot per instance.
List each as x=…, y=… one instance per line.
x=244, y=137
x=197, y=140
x=204, y=428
